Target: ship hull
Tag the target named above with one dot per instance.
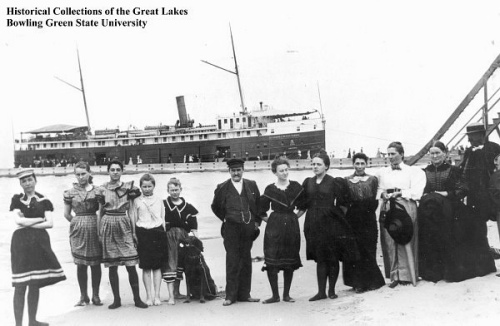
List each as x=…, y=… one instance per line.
x=293, y=145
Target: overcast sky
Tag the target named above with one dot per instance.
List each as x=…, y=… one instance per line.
x=386, y=70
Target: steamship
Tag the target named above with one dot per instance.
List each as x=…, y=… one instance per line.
x=262, y=134
x=257, y=135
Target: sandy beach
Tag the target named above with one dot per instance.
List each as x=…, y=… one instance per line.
x=470, y=302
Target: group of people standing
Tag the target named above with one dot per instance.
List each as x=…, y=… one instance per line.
x=118, y=224
x=340, y=225
x=432, y=221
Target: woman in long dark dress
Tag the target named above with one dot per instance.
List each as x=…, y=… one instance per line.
x=448, y=247
x=328, y=239
x=34, y=264
x=364, y=274
x=282, y=236
x=85, y=246
x=117, y=232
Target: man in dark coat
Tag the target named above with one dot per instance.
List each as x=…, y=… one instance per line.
x=477, y=166
x=236, y=204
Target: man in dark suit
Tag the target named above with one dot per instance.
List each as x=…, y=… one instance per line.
x=236, y=204
x=477, y=166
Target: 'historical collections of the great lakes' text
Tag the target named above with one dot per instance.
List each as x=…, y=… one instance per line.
x=87, y=17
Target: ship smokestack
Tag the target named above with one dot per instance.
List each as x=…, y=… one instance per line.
x=181, y=107
x=261, y=105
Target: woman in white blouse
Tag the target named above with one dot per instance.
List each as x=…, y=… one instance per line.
x=406, y=184
x=148, y=213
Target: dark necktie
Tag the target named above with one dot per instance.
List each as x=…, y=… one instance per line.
x=395, y=167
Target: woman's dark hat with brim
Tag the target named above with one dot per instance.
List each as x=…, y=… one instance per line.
x=235, y=163
x=475, y=127
x=398, y=224
x=25, y=173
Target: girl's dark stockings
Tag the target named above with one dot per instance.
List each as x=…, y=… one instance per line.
x=33, y=298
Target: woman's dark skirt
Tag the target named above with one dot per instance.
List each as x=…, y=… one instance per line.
x=282, y=242
x=328, y=236
x=33, y=261
x=364, y=273
x=151, y=247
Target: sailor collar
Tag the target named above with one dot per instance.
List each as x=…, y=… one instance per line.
x=172, y=206
x=27, y=201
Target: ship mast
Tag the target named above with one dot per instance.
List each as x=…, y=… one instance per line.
x=244, y=109
x=235, y=72
x=82, y=89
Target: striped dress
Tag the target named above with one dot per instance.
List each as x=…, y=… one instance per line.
x=118, y=248
x=33, y=261
x=85, y=246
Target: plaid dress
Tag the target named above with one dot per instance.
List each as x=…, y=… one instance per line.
x=85, y=246
x=118, y=246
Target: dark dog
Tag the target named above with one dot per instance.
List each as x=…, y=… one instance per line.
x=199, y=282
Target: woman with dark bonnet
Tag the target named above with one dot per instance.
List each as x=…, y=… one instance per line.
x=327, y=234
x=282, y=236
x=448, y=246
x=34, y=264
x=364, y=274
x=85, y=246
x=117, y=231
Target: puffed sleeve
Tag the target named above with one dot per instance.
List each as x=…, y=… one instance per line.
x=48, y=205
x=133, y=193
x=67, y=197
x=15, y=203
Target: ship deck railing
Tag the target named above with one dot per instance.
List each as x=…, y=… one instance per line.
x=170, y=168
